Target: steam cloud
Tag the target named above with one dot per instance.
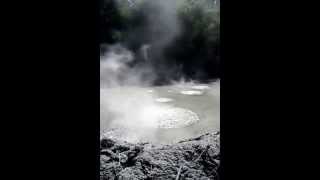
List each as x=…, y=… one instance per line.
x=115, y=69
x=123, y=103
x=116, y=65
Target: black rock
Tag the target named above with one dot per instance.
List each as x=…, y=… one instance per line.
x=106, y=143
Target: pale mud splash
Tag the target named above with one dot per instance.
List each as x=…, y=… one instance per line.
x=164, y=100
x=191, y=92
x=200, y=87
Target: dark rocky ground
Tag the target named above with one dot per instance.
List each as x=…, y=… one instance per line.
x=196, y=158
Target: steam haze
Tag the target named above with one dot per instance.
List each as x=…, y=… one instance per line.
x=138, y=62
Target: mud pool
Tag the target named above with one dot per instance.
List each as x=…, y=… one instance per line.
x=161, y=114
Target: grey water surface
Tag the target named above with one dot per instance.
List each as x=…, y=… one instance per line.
x=202, y=99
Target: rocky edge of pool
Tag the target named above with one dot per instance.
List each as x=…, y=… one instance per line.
x=196, y=158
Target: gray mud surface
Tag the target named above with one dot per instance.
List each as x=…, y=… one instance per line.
x=196, y=158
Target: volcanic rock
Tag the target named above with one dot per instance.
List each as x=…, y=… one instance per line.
x=196, y=158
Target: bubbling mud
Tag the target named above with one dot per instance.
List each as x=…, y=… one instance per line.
x=168, y=117
x=164, y=117
x=200, y=87
x=164, y=100
x=191, y=92
x=176, y=118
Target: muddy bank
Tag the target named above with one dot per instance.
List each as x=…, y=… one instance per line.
x=196, y=158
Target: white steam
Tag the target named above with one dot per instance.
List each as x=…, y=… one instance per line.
x=123, y=102
x=115, y=69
